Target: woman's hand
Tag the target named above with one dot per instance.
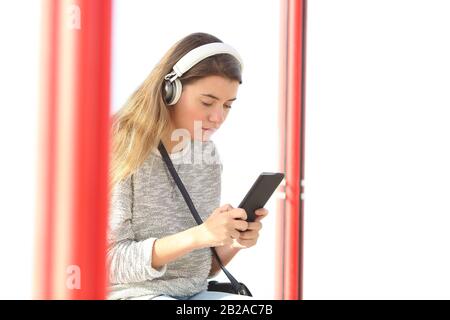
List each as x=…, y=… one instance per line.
x=249, y=237
x=222, y=227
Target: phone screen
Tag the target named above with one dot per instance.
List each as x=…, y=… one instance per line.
x=260, y=192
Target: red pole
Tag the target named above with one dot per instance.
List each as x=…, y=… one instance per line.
x=280, y=204
x=74, y=135
x=47, y=132
x=292, y=100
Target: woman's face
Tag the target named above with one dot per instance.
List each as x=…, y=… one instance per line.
x=204, y=106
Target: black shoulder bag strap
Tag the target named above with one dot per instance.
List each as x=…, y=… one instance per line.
x=236, y=285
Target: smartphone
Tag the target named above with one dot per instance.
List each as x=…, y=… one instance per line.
x=260, y=192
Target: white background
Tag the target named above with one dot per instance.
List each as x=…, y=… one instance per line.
x=377, y=214
x=19, y=67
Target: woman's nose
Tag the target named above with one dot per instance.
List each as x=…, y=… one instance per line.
x=217, y=115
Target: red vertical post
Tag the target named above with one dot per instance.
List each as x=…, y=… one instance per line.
x=280, y=204
x=292, y=111
x=74, y=160
x=46, y=161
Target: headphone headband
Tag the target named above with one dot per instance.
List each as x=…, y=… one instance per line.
x=196, y=55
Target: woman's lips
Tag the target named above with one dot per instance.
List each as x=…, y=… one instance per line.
x=211, y=130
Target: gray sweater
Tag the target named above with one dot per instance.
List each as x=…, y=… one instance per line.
x=148, y=205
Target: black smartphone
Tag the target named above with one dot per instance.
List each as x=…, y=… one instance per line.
x=260, y=192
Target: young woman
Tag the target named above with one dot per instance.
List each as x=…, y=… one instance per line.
x=156, y=250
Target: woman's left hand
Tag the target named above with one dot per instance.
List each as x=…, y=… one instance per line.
x=249, y=237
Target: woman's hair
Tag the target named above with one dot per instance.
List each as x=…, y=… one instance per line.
x=140, y=124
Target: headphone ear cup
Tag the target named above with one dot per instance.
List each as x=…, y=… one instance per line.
x=172, y=91
x=177, y=89
x=168, y=91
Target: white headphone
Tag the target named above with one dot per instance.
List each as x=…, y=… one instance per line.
x=172, y=85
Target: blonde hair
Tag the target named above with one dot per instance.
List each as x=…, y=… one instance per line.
x=144, y=119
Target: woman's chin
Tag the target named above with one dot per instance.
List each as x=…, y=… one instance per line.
x=202, y=139
x=206, y=136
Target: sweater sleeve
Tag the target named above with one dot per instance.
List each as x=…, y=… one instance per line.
x=128, y=260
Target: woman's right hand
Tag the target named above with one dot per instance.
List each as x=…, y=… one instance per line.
x=222, y=226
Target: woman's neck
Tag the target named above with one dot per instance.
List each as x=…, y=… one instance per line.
x=174, y=146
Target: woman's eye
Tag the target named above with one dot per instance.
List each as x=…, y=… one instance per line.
x=210, y=104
